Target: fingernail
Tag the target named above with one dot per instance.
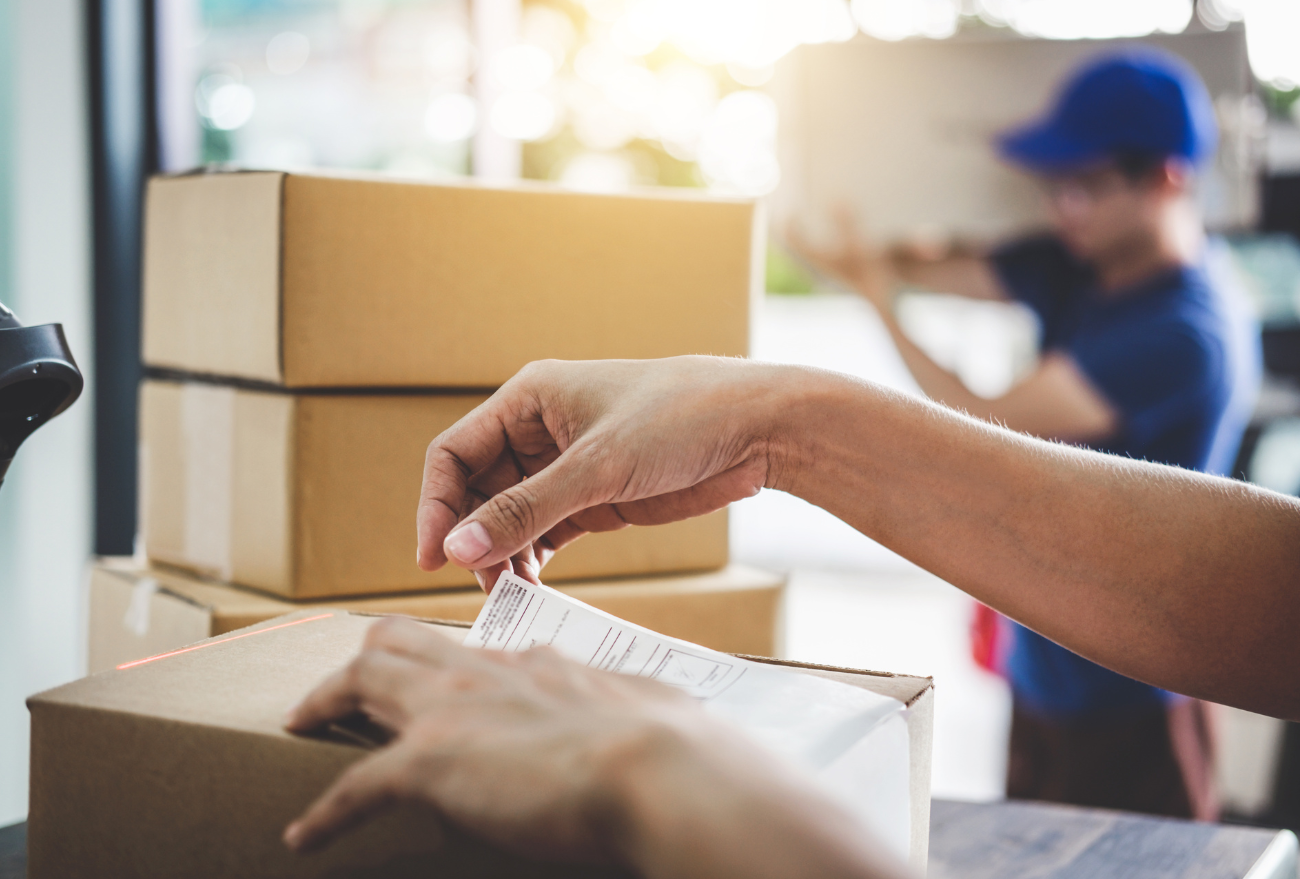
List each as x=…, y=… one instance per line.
x=291, y=834
x=289, y=716
x=468, y=543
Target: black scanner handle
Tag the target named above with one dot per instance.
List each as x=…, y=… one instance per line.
x=38, y=380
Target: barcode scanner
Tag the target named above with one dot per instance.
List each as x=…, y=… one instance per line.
x=38, y=380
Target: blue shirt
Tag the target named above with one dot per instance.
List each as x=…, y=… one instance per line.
x=1178, y=357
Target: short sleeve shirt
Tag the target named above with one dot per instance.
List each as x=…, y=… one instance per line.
x=1177, y=356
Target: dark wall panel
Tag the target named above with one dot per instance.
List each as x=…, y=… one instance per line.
x=120, y=46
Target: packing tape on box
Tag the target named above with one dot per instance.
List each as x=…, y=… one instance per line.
x=208, y=431
x=136, y=618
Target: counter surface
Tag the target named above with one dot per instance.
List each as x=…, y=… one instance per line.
x=1023, y=840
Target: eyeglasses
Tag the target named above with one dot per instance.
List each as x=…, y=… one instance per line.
x=1082, y=190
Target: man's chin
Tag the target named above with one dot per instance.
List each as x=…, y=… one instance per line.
x=1078, y=248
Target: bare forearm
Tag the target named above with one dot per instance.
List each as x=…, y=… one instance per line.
x=967, y=275
x=1175, y=578
x=1183, y=580
x=717, y=817
x=938, y=383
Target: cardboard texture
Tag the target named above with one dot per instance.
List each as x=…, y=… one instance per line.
x=178, y=767
x=137, y=611
x=314, y=495
x=331, y=280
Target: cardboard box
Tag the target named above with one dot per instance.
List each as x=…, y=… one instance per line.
x=316, y=280
x=140, y=611
x=314, y=495
x=179, y=767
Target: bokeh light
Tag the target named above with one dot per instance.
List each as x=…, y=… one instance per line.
x=523, y=67
x=1272, y=39
x=287, y=52
x=603, y=94
x=599, y=172
x=738, y=146
x=223, y=100
x=231, y=105
x=523, y=115
x=1094, y=19
x=449, y=54
x=685, y=100
x=899, y=19
x=450, y=118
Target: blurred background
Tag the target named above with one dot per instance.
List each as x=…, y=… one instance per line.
x=888, y=105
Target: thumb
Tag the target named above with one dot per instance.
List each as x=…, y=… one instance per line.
x=512, y=519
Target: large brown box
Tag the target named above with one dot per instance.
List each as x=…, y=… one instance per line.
x=324, y=280
x=138, y=611
x=180, y=767
x=314, y=495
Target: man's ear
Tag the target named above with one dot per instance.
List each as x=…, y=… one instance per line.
x=1174, y=177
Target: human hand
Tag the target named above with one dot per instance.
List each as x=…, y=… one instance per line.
x=527, y=750
x=564, y=448
x=852, y=259
x=518, y=748
x=550, y=759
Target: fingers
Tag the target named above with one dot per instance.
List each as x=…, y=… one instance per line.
x=469, y=446
x=414, y=640
x=380, y=680
x=836, y=260
x=514, y=518
x=501, y=442
x=364, y=790
x=375, y=682
x=526, y=563
x=846, y=221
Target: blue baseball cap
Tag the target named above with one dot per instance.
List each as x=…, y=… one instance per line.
x=1140, y=101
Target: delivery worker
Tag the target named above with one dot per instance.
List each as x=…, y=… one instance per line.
x=1148, y=351
x=1186, y=581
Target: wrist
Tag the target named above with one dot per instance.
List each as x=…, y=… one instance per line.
x=770, y=403
x=635, y=779
x=695, y=800
x=799, y=419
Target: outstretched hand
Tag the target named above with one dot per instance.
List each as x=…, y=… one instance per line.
x=565, y=448
x=852, y=259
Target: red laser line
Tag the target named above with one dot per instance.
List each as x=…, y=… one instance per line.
x=222, y=641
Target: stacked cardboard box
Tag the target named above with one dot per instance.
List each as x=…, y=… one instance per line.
x=138, y=611
x=314, y=495
x=308, y=335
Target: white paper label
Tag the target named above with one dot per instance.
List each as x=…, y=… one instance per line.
x=802, y=716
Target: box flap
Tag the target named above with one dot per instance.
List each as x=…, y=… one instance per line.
x=905, y=688
x=247, y=679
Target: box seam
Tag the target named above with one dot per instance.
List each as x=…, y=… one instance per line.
x=279, y=284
